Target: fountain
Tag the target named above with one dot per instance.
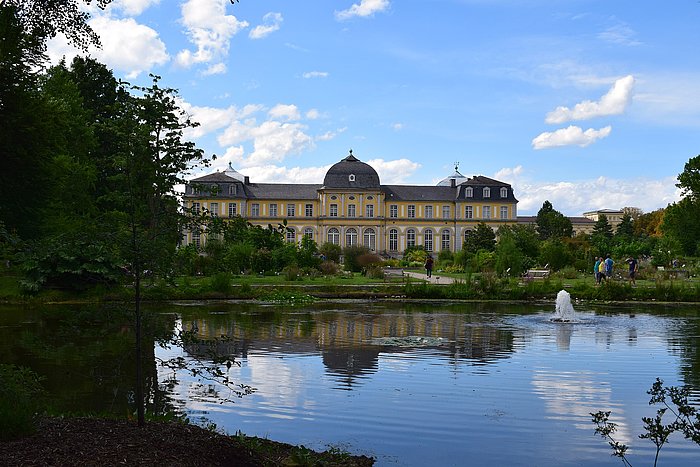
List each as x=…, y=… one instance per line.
x=564, y=311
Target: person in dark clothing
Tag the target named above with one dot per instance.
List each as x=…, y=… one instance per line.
x=429, y=266
x=634, y=267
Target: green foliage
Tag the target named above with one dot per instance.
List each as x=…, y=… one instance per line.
x=70, y=262
x=552, y=224
x=20, y=398
x=673, y=401
x=509, y=259
x=307, y=254
x=351, y=255
x=555, y=253
x=481, y=238
x=682, y=224
x=221, y=282
x=331, y=252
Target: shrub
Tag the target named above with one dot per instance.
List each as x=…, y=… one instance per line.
x=351, y=255
x=329, y=268
x=20, y=393
x=221, y=282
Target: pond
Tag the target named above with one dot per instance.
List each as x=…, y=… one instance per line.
x=410, y=384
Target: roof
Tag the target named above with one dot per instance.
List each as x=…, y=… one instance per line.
x=418, y=193
x=282, y=191
x=216, y=177
x=351, y=173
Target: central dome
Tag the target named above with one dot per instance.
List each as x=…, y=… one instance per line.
x=351, y=172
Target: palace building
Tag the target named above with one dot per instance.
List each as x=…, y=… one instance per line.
x=352, y=207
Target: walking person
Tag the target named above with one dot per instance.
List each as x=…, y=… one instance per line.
x=634, y=267
x=608, y=267
x=429, y=266
x=596, y=270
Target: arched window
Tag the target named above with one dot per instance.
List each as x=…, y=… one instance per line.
x=504, y=192
x=333, y=236
x=291, y=235
x=469, y=192
x=487, y=192
x=351, y=237
x=309, y=232
x=445, y=245
x=370, y=239
x=351, y=177
x=393, y=240
x=410, y=238
x=467, y=233
x=428, y=240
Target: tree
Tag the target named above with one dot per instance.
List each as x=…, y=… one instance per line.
x=689, y=180
x=625, y=230
x=151, y=159
x=674, y=402
x=682, y=224
x=46, y=18
x=649, y=224
x=552, y=224
x=509, y=259
x=481, y=238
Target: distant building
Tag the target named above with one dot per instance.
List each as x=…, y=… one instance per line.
x=583, y=224
x=352, y=207
x=614, y=216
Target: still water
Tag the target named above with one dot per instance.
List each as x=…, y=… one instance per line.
x=412, y=385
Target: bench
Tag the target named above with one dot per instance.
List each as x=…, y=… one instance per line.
x=535, y=274
x=390, y=273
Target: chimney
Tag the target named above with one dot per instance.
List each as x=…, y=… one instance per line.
x=246, y=180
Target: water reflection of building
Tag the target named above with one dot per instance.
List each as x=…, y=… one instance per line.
x=349, y=341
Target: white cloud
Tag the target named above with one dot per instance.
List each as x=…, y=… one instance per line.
x=271, y=23
x=315, y=74
x=215, y=69
x=210, y=29
x=397, y=126
x=573, y=198
x=127, y=46
x=570, y=136
x=279, y=174
x=313, y=114
x=212, y=118
x=620, y=34
x=364, y=9
x=329, y=135
x=285, y=112
x=613, y=103
x=132, y=7
x=394, y=172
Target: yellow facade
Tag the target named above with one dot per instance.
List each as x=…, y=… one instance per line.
x=385, y=218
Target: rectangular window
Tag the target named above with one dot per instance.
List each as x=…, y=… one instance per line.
x=273, y=210
x=290, y=210
x=411, y=211
x=351, y=210
x=309, y=210
x=504, y=212
x=254, y=210
x=486, y=212
x=369, y=210
x=445, y=212
x=232, y=189
x=393, y=210
x=232, y=209
x=195, y=208
x=428, y=212
x=214, y=209
x=334, y=210
x=468, y=212
x=196, y=239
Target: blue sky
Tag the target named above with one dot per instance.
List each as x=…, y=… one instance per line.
x=588, y=104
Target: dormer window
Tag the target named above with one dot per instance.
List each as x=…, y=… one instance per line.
x=351, y=177
x=487, y=192
x=232, y=189
x=504, y=192
x=469, y=192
